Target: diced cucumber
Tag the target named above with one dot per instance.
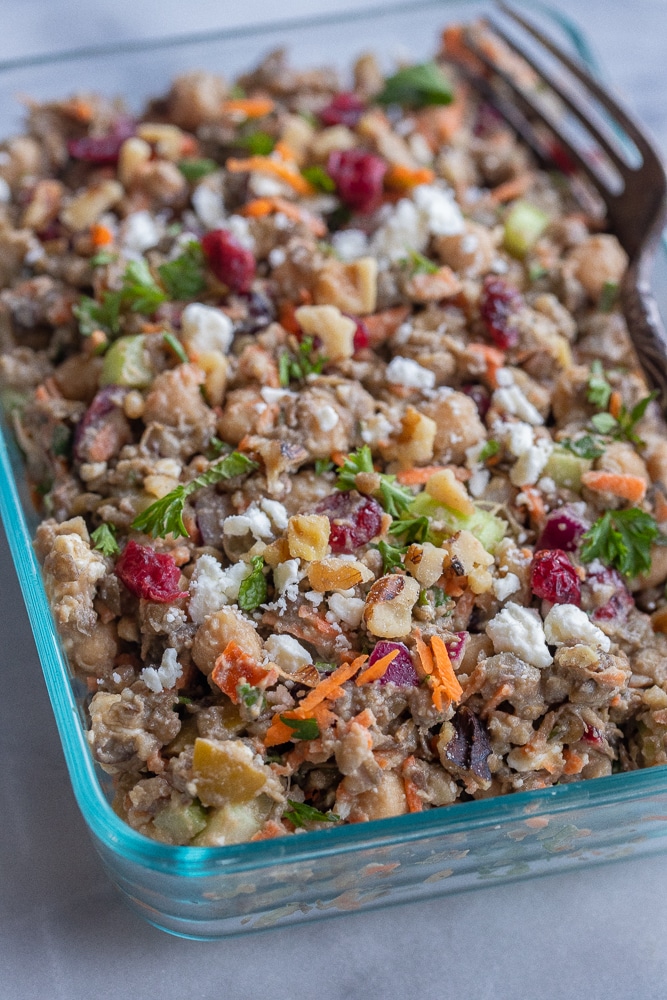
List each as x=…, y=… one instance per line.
x=127, y=363
x=234, y=823
x=567, y=469
x=181, y=823
x=523, y=227
x=487, y=528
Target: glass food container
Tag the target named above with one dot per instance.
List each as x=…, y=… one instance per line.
x=215, y=892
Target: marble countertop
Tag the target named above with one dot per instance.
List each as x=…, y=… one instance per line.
x=64, y=932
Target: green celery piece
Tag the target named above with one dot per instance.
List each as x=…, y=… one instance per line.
x=566, y=468
x=127, y=363
x=194, y=169
x=486, y=527
x=524, y=225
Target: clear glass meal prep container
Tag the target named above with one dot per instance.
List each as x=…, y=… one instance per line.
x=217, y=892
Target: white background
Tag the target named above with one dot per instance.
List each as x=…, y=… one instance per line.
x=64, y=933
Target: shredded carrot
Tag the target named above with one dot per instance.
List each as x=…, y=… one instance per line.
x=425, y=656
x=377, y=670
x=235, y=666
x=452, y=587
x=338, y=457
x=265, y=165
x=278, y=732
x=415, y=803
x=630, y=488
x=535, y=504
x=574, y=762
x=404, y=178
x=284, y=151
x=287, y=319
x=514, y=188
x=251, y=107
x=269, y=831
x=491, y=358
x=329, y=685
x=615, y=403
x=365, y=718
x=267, y=206
x=417, y=477
x=447, y=681
x=80, y=109
x=454, y=45
x=660, y=505
x=100, y=235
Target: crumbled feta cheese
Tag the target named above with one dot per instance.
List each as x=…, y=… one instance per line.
x=503, y=586
x=239, y=227
x=469, y=243
x=209, y=206
x=253, y=521
x=478, y=482
x=289, y=654
x=547, y=485
x=327, y=418
x=375, y=429
x=277, y=256
x=519, y=630
x=443, y=215
x=139, y=233
x=566, y=624
x=402, y=229
x=271, y=395
x=211, y=586
x=529, y=465
x=420, y=148
x=5, y=191
x=276, y=512
x=510, y=399
x=405, y=371
x=347, y=609
x=165, y=676
x=504, y=378
x=403, y=334
x=206, y=329
x=314, y=597
x=263, y=186
x=350, y=244
x=286, y=578
x=518, y=438
x=116, y=677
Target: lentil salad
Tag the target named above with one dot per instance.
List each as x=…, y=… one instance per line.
x=350, y=482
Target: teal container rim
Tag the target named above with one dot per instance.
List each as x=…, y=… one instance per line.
x=112, y=833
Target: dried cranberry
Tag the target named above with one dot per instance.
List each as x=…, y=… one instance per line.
x=103, y=149
x=479, y=396
x=230, y=262
x=344, y=109
x=354, y=519
x=361, y=336
x=554, y=578
x=401, y=670
x=456, y=647
x=592, y=734
x=561, y=159
x=562, y=530
x=358, y=177
x=497, y=306
x=149, y=574
x=620, y=602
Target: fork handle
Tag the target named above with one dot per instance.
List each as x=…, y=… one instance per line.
x=645, y=325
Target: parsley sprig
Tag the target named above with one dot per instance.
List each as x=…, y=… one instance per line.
x=253, y=590
x=394, y=498
x=297, y=366
x=392, y=555
x=184, y=277
x=622, y=428
x=586, y=446
x=104, y=539
x=598, y=391
x=302, y=729
x=299, y=814
x=417, y=86
x=165, y=516
x=622, y=539
x=139, y=292
x=414, y=529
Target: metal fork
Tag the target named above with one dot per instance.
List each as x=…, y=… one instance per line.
x=633, y=189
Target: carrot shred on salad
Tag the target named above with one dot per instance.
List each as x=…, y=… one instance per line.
x=251, y=107
x=265, y=165
x=377, y=670
x=402, y=178
x=624, y=486
x=259, y=207
x=417, y=477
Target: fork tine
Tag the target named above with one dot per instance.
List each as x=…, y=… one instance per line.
x=569, y=100
x=612, y=106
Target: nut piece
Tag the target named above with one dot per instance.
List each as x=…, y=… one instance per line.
x=328, y=139
x=308, y=536
x=86, y=208
x=352, y=287
x=470, y=555
x=337, y=574
x=167, y=139
x=425, y=562
x=134, y=153
x=415, y=440
x=446, y=489
x=597, y=261
x=217, y=632
x=225, y=771
x=388, y=611
x=386, y=799
x=334, y=330
x=44, y=205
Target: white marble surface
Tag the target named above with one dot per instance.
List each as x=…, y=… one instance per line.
x=64, y=933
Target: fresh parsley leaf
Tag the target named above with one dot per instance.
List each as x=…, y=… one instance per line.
x=319, y=178
x=586, y=446
x=216, y=445
x=101, y=258
x=299, y=814
x=184, y=277
x=323, y=465
x=419, y=264
x=284, y=369
x=357, y=461
x=414, y=529
x=392, y=555
x=599, y=390
x=489, y=449
x=61, y=442
x=298, y=366
x=249, y=695
x=253, y=590
x=104, y=538
x=176, y=346
x=324, y=667
x=416, y=87
x=104, y=315
x=608, y=296
x=622, y=539
x=394, y=498
x=302, y=729
x=536, y=271
x=440, y=597
x=622, y=428
x=165, y=516
x=604, y=423
x=257, y=143
x=140, y=291
x=194, y=169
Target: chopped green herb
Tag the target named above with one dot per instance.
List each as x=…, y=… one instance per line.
x=599, y=390
x=323, y=666
x=394, y=498
x=176, y=346
x=101, y=258
x=587, y=446
x=440, y=597
x=104, y=538
x=608, y=296
x=249, y=695
x=257, y=143
x=604, y=423
x=622, y=428
x=61, y=442
x=489, y=449
x=298, y=366
x=300, y=814
x=184, y=700
x=622, y=539
x=253, y=590
x=302, y=729
x=184, y=278
x=392, y=555
x=536, y=271
x=165, y=516
x=356, y=462
x=419, y=264
x=140, y=291
x=416, y=87
x=194, y=169
x=414, y=529
x=319, y=178
x=216, y=445
x=104, y=315
x=323, y=465
x=422, y=600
